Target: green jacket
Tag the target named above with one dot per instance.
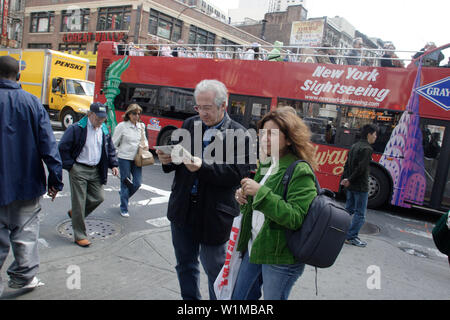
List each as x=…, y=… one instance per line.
x=357, y=167
x=270, y=245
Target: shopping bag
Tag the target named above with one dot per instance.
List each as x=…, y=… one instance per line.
x=224, y=284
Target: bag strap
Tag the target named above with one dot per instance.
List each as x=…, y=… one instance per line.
x=286, y=179
x=288, y=176
x=142, y=143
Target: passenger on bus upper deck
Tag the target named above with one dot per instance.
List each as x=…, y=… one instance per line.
x=432, y=59
x=355, y=54
x=390, y=58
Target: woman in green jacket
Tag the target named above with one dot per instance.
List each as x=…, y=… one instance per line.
x=267, y=261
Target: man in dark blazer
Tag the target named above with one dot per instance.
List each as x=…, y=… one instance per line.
x=202, y=206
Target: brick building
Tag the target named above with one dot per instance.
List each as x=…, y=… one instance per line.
x=11, y=13
x=82, y=25
x=276, y=26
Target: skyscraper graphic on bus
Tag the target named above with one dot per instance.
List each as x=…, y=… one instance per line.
x=403, y=155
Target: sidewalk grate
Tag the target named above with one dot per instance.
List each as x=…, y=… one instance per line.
x=95, y=229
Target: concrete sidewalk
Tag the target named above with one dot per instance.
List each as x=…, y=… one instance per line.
x=141, y=265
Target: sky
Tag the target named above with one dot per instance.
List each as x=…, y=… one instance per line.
x=408, y=24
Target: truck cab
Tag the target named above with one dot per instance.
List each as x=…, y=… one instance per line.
x=69, y=99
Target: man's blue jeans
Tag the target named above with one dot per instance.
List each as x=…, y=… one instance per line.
x=276, y=280
x=187, y=251
x=356, y=205
x=126, y=168
x=19, y=228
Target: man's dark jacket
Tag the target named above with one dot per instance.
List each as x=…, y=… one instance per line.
x=217, y=184
x=26, y=139
x=72, y=144
x=357, y=167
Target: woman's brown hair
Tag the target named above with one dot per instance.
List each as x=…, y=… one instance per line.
x=295, y=130
x=132, y=107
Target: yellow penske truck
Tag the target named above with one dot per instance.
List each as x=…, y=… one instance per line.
x=58, y=79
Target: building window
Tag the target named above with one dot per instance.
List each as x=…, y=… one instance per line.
x=39, y=46
x=229, y=43
x=42, y=22
x=114, y=18
x=201, y=36
x=164, y=26
x=75, y=20
x=72, y=47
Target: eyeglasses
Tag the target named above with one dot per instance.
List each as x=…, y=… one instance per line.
x=136, y=113
x=206, y=108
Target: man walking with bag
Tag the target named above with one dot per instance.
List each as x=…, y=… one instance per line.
x=356, y=180
x=87, y=152
x=26, y=139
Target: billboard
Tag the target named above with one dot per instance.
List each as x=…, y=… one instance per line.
x=307, y=33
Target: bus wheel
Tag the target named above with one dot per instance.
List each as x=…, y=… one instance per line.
x=165, y=138
x=379, y=188
x=68, y=117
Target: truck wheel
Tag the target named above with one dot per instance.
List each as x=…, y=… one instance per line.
x=379, y=188
x=68, y=117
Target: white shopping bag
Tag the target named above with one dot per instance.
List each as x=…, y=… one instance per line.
x=224, y=284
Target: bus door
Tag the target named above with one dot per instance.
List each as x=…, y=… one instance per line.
x=436, y=149
x=248, y=110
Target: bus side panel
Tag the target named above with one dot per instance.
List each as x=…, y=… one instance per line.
x=331, y=162
x=428, y=108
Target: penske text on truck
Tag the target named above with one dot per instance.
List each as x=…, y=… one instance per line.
x=58, y=79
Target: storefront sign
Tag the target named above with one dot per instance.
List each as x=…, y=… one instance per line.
x=85, y=37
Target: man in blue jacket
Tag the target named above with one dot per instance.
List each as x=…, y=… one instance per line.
x=87, y=152
x=26, y=139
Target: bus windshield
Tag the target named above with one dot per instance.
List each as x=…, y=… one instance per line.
x=81, y=88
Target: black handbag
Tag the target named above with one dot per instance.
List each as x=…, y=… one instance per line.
x=322, y=234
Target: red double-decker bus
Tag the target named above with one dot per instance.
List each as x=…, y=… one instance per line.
x=410, y=106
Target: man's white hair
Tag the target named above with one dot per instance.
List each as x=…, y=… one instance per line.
x=221, y=92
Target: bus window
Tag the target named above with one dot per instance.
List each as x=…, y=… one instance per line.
x=259, y=109
x=176, y=103
x=435, y=160
x=352, y=119
x=247, y=110
x=321, y=118
x=157, y=101
x=237, y=110
x=446, y=195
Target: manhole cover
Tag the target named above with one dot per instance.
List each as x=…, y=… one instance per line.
x=370, y=228
x=95, y=229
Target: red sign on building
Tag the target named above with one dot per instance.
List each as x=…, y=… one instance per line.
x=5, y=18
x=85, y=37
